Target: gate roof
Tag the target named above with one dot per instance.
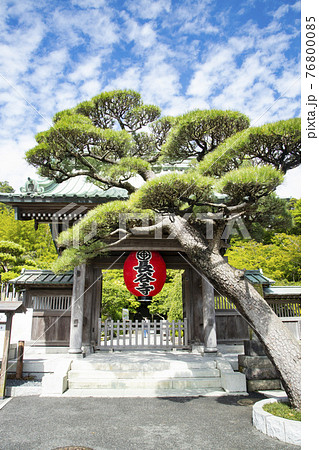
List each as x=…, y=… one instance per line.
x=43, y=278
x=45, y=200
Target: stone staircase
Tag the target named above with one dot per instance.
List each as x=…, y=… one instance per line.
x=151, y=374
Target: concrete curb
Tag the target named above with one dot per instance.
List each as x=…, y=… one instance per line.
x=4, y=401
x=285, y=430
x=22, y=391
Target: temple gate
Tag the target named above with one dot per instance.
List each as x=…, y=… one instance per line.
x=61, y=205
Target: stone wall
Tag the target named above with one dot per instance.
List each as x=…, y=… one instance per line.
x=259, y=370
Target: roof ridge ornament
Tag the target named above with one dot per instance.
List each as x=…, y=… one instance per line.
x=31, y=187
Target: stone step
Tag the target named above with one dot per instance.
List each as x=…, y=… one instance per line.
x=170, y=373
x=123, y=366
x=144, y=393
x=145, y=383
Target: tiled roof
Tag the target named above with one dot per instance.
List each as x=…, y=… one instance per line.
x=43, y=278
x=74, y=188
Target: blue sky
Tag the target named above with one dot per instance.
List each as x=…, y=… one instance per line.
x=180, y=55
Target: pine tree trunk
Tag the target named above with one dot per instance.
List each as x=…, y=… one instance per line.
x=280, y=345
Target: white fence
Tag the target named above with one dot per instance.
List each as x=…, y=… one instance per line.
x=143, y=335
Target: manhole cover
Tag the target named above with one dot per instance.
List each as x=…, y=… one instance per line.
x=73, y=448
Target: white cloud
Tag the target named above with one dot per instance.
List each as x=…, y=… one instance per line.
x=57, y=54
x=283, y=9
x=291, y=187
x=212, y=72
x=17, y=48
x=90, y=88
x=143, y=35
x=129, y=79
x=250, y=73
x=66, y=96
x=160, y=83
x=13, y=167
x=146, y=9
x=88, y=3
x=83, y=27
x=86, y=69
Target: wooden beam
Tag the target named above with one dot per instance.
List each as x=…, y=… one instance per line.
x=172, y=260
x=146, y=242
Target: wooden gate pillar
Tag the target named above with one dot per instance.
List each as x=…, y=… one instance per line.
x=85, y=309
x=96, y=307
x=6, y=349
x=193, y=305
x=77, y=310
x=209, y=321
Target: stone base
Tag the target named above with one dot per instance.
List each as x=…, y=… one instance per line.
x=210, y=350
x=259, y=371
x=57, y=382
x=198, y=348
x=254, y=348
x=260, y=385
x=231, y=381
x=254, y=361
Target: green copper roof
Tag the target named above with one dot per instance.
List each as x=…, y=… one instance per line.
x=280, y=291
x=77, y=187
x=257, y=277
x=43, y=278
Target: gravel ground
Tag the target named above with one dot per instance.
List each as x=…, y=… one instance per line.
x=204, y=423
x=26, y=383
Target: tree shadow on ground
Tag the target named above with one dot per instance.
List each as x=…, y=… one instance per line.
x=179, y=399
x=241, y=400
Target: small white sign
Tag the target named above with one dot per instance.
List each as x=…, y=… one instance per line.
x=125, y=314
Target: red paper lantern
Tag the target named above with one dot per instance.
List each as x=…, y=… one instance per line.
x=144, y=273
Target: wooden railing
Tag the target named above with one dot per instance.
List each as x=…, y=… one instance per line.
x=142, y=335
x=223, y=303
x=283, y=307
x=51, y=302
x=231, y=326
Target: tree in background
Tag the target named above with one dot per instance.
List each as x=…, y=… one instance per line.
x=12, y=260
x=276, y=244
x=37, y=244
x=234, y=167
x=280, y=260
x=115, y=296
x=269, y=216
x=295, y=209
x=5, y=187
x=169, y=303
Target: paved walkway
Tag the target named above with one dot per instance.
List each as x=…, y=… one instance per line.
x=221, y=423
